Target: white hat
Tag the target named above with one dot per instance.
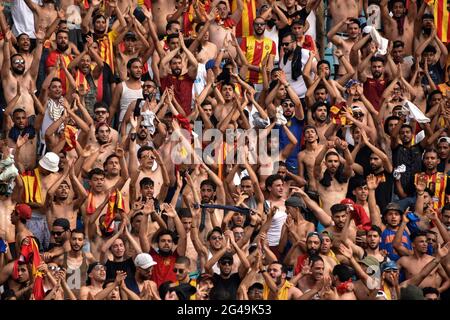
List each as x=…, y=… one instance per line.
x=144, y=261
x=50, y=162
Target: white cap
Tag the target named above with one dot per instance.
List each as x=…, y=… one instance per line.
x=50, y=162
x=144, y=261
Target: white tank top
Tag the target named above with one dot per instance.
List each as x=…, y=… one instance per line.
x=128, y=96
x=274, y=232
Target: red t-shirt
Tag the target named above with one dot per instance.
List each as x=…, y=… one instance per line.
x=299, y=264
x=182, y=87
x=163, y=270
x=373, y=90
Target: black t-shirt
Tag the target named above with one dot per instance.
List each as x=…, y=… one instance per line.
x=127, y=266
x=412, y=159
x=301, y=14
x=383, y=193
x=225, y=289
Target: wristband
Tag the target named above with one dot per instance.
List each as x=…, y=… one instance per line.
x=133, y=136
x=420, y=193
x=252, y=225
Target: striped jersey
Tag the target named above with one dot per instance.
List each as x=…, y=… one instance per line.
x=255, y=51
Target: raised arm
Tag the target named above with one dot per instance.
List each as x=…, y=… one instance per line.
x=323, y=217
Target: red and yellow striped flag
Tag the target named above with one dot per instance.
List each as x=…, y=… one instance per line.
x=441, y=17
x=244, y=27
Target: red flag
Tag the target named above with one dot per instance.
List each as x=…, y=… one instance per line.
x=115, y=203
x=29, y=253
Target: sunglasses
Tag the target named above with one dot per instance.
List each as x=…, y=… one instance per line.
x=259, y=24
x=358, y=114
x=290, y=105
x=285, y=44
x=227, y=262
x=54, y=268
x=216, y=238
x=19, y=62
x=100, y=112
x=57, y=233
x=179, y=271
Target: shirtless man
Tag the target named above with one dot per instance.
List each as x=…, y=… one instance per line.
x=401, y=25
x=332, y=184
x=307, y=156
x=221, y=29
x=204, y=49
x=226, y=101
x=20, y=285
x=311, y=275
x=47, y=174
x=340, y=229
x=13, y=73
x=101, y=139
x=19, y=217
x=296, y=227
x=59, y=204
x=96, y=274
x=342, y=10
x=345, y=45
x=414, y=263
x=43, y=14
x=160, y=10
x=26, y=134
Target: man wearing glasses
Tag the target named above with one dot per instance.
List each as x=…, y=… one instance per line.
x=257, y=48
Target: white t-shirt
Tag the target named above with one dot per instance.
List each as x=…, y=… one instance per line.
x=274, y=232
x=299, y=85
x=273, y=35
x=23, y=19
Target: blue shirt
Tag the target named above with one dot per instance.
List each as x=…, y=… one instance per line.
x=387, y=238
x=296, y=127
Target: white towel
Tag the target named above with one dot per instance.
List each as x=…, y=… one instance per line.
x=381, y=42
x=415, y=112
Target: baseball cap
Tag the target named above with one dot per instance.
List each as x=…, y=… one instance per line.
x=227, y=257
x=144, y=261
x=388, y=265
x=24, y=211
x=184, y=291
x=444, y=139
x=394, y=206
x=295, y=202
x=411, y=293
x=369, y=261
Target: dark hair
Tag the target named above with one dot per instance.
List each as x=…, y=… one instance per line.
x=359, y=182
x=343, y=272
x=131, y=61
x=172, y=36
x=314, y=258
x=255, y=286
x=406, y=126
x=209, y=182
x=79, y=231
x=113, y=155
x=142, y=149
x=98, y=16
x=323, y=62
x=198, y=26
x=327, y=178
x=430, y=290
x=56, y=80
x=170, y=23
x=96, y=171
x=398, y=44
x=338, y=207
x=62, y=31
x=376, y=59
x=271, y=179
x=299, y=22
x=284, y=268
x=164, y=232
x=184, y=213
x=246, y=178
x=146, y=182
x=355, y=21
x=374, y=228
x=18, y=110
x=101, y=104
x=386, y=122
x=446, y=207
x=134, y=216
x=318, y=104
x=417, y=234
x=429, y=48
x=15, y=55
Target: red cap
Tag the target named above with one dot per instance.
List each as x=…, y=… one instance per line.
x=24, y=211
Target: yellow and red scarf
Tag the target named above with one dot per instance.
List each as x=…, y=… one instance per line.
x=115, y=203
x=70, y=134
